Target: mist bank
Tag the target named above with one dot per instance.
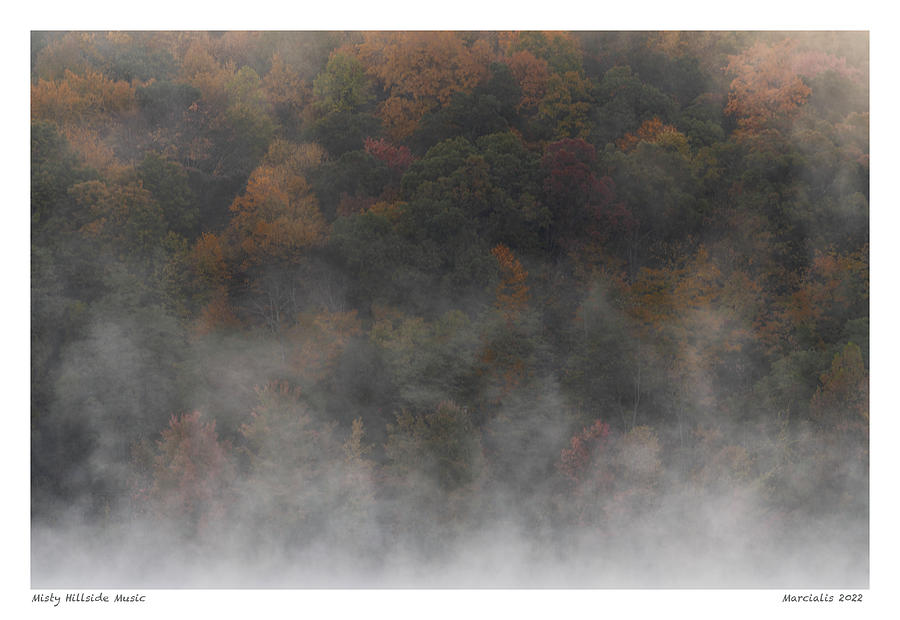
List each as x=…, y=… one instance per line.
x=689, y=543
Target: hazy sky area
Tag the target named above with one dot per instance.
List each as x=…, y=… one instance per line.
x=452, y=310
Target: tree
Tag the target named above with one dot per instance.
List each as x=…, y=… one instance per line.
x=193, y=475
x=654, y=131
x=420, y=72
x=766, y=91
x=276, y=218
x=286, y=92
x=567, y=104
x=397, y=158
x=54, y=168
x=209, y=260
x=512, y=293
x=356, y=174
x=167, y=182
x=624, y=102
x=91, y=99
x=834, y=290
x=124, y=216
x=343, y=86
x=532, y=75
x=303, y=481
x=317, y=342
x=842, y=399
x=427, y=361
x=163, y=103
x=560, y=50
x=576, y=196
x=489, y=109
x=343, y=106
x=442, y=445
x=575, y=459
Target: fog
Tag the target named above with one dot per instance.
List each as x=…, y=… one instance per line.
x=706, y=527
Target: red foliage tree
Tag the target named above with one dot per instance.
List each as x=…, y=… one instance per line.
x=397, y=158
x=581, y=203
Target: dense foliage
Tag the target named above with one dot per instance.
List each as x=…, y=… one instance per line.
x=315, y=287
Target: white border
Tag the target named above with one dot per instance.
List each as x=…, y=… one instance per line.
x=466, y=15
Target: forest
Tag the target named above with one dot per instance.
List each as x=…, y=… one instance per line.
x=449, y=309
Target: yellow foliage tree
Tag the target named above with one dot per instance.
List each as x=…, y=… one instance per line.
x=656, y=132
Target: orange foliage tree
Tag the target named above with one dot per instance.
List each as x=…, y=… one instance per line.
x=86, y=107
x=89, y=99
x=766, y=91
x=420, y=72
x=833, y=290
x=532, y=74
x=512, y=292
x=277, y=217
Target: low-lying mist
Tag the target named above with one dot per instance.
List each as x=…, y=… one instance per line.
x=528, y=498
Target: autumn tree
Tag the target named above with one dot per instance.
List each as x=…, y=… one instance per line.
x=655, y=131
x=766, y=92
x=89, y=100
x=88, y=109
x=834, y=292
x=291, y=454
x=611, y=479
x=567, y=104
x=317, y=341
x=277, y=216
x=124, y=216
x=168, y=183
x=574, y=193
x=560, y=50
x=193, y=475
x=303, y=478
x=397, y=158
x=512, y=292
x=61, y=52
x=532, y=75
x=420, y=72
x=490, y=108
x=575, y=459
x=286, y=91
x=624, y=102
